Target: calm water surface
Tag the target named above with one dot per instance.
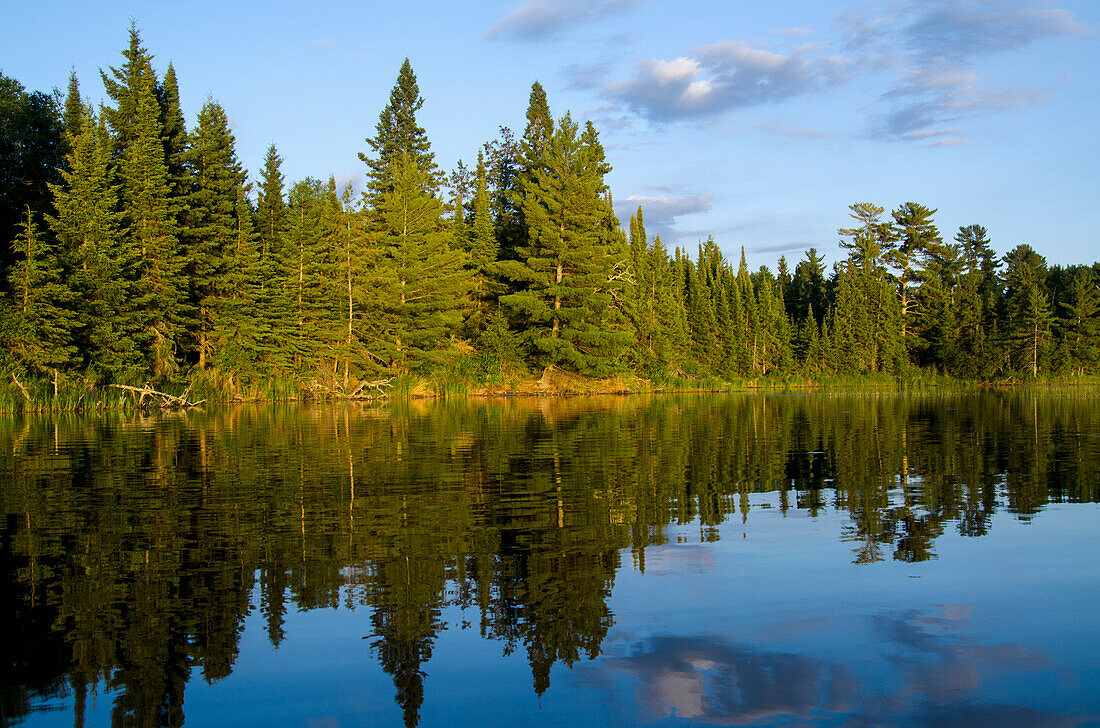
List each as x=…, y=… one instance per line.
x=925, y=560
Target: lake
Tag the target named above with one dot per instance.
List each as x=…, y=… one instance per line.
x=818, y=560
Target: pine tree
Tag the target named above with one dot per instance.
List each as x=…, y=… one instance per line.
x=152, y=229
x=43, y=303
x=1027, y=309
x=867, y=330
x=564, y=297
x=212, y=227
x=103, y=264
x=175, y=138
x=422, y=282
x=1082, y=327
x=272, y=304
x=126, y=86
x=918, y=242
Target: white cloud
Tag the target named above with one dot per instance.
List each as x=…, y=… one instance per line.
x=549, y=19
x=720, y=77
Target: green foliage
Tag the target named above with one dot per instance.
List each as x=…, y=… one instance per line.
x=155, y=259
x=31, y=151
x=42, y=318
x=152, y=229
x=102, y=264
x=1028, y=315
x=211, y=233
x=418, y=284
x=564, y=279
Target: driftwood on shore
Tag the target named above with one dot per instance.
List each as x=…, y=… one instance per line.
x=157, y=400
x=379, y=385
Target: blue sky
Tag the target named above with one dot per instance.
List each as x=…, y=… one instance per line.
x=757, y=123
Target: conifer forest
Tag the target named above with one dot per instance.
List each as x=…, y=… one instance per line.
x=136, y=249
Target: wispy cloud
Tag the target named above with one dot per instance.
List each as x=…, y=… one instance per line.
x=781, y=248
x=661, y=213
x=720, y=77
x=549, y=19
x=933, y=48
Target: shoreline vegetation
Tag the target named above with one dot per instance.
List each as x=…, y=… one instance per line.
x=38, y=397
x=139, y=263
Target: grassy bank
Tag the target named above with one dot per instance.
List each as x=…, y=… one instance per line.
x=31, y=395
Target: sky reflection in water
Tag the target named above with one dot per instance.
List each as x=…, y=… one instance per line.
x=777, y=572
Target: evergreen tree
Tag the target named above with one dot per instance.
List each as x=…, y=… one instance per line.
x=976, y=304
x=102, y=263
x=211, y=234
x=422, y=282
x=272, y=304
x=1082, y=326
x=399, y=140
x=310, y=278
x=808, y=288
x=1027, y=309
x=152, y=229
x=44, y=319
x=459, y=183
x=175, y=137
x=126, y=86
x=484, y=245
x=72, y=119
x=866, y=329
x=31, y=152
x=564, y=296
x=237, y=335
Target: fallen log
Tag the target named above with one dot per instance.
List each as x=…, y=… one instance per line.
x=378, y=384
x=166, y=401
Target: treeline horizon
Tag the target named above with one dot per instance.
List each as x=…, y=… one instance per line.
x=137, y=250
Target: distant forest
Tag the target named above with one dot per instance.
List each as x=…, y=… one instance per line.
x=136, y=249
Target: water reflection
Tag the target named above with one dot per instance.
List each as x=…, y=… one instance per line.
x=926, y=671
x=131, y=548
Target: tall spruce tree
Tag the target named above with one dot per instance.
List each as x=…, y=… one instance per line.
x=564, y=297
x=72, y=118
x=211, y=228
x=43, y=303
x=152, y=229
x=272, y=304
x=1027, y=309
x=175, y=137
x=1082, y=323
x=421, y=281
x=126, y=85
x=912, y=256
x=102, y=262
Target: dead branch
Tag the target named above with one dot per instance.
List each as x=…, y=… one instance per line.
x=167, y=401
x=20, y=385
x=379, y=385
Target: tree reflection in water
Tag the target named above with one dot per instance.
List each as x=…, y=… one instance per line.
x=131, y=548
